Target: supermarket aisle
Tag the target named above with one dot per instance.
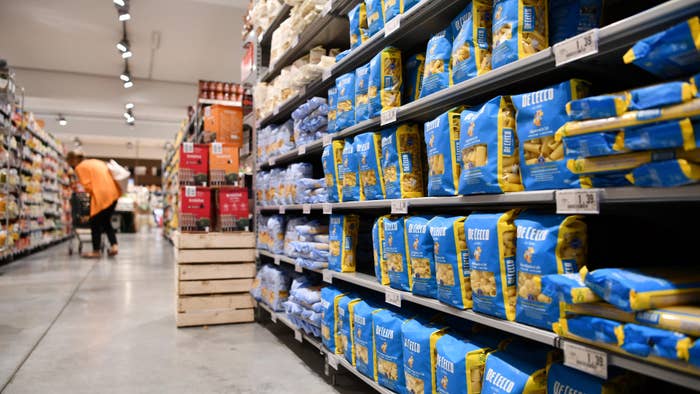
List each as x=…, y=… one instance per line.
x=114, y=331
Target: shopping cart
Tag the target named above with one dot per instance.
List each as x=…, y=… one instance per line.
x=80, y=211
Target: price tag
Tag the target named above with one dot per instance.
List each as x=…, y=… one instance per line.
x=273, y=317
x=327, y=8
x=277, y=260
x=399, y=207
x=578, y=201
x=327, y=276
x=389, y=116
x=594, y=362
x=187, y=147
x=327, y=208
x=271, y=162
x=327, y=73
x=392, y=297
x=190, y=191
x=217, y=148
x=276, y=111
x=392, y=25
x=298, y=268
x=333, y=361
x=327, y=139
x=302, y=150
x=306, y=209
x=282, y=209
x=297, y=336
x=577, y=47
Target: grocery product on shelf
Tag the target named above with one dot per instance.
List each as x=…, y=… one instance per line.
x=451, y=261
x=442, y=141
x=520, y=29
x=358, y=25
x=569, y=18
x=436, y=76
x=343, y=235
x=402, y=161
x=395, y=250
x=385, y=84
x=419, y=340
x=368, y=147
x=471, y=49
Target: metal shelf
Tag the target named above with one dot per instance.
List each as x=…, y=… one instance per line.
x=265, y=38
x=298, y=332
x=284, y=259
x=300, y=152
x=335, y=360
x=220, y=102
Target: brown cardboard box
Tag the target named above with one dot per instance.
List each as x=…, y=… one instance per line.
x=223, y=164
x=223, y=124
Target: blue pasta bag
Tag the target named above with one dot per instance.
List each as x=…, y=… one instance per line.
x=614, y=179
x=694, y=354
x=380, y=268
x=567, y=288
x=342, y=242
x=442, y=138
x=661, y=95
x=368, y=148
x=332, y=108
x=649, y=341
x=471, y=49
x=421, y=257
x=670, y=53
x=545, y=244
x=663, y=135
x=562, y=379
x=375, y=16
x=489, y=149
x=345, y=114
x=415, y=67
x=589, y=328
x=451, y=261
x=352, y=190
x=396, y=252
x=436, y=75
x=330, y=323
x=590, y=145
x=668, y=173
x=361, y=93
x=393, y=8
x=332, y=158
x=389, y=350
x=596, y=107
x=539, y=115
x=345, y=340
x=385, y=81
x=568, y=18
x=520, y=29
x=491, y=242
x=460, y=364
x=505, y=373
x=402, y=161
x=419, y=356
x=358, y=25
x=365, y=359
x=642, y=289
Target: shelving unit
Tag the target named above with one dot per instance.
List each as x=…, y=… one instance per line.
x=277, y=258
x=299, y=334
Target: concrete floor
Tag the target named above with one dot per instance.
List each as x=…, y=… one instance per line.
x=107, y=326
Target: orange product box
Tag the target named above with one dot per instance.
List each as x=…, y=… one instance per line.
x=194, y=164
x=223, y=164
x=232, y=209
x=195, y=208
x=223, y=123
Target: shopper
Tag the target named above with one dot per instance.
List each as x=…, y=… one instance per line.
x=104, y=192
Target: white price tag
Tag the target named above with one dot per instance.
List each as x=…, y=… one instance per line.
x=392, y=25
x=298, y=268
x=306, y=209
x=187, y=147
x=302, y=150
x=333, y=361
x=327, y=208
x=327, y=276
x=295, y=41
x=277, y=260
x=594, y=362
x=327, y=8
x=327, y=73
x=578, y=201
x=297, y=336
x=327, y=139
x=271, y=162
x=392, y=297
x=577, y=47
x=217, y=148
x=399, y=207
x=282, y=209
x=276, y=111
x=273, y=317
x=389, y=116
x=190, y=191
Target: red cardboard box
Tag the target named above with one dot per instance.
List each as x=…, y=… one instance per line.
x=195, y=209
x=223, y=124
x=194, y=164
x=232, y=209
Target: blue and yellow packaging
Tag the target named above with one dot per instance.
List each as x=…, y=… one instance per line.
x=352, y=189
x=661, y=95
x=471, y=49
x=444, y=159
x=436, y=75
x=381, y=271
x=365, y=359
x=596, y=107
x=520, y=29
x=358, y=25
x=451, y=261
x=362, y=108
x=346, y=340
x=389, y=349
x=562, y=379
x=568, y=289
x=368, y=149
x=419, y=355
x=460, y=364
x=415, y=67
x=396, y=252
x=330, y=322
x=668, y=173
x=332, y=108
x=505, y=373
x=589, y=328
x=568, y=18
x=385, y=81
x=375, y=16
x=345, y=114
x=402, y=161
x=421, y=257
x=342, y=242
x=332, y=159
x=664, y=135
x=393, y=8
x=649, y=341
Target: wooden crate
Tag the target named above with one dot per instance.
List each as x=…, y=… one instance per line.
x=214, y=273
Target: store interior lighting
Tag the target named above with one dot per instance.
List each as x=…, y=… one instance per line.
x=126, y=55
x=120, y=3
x=128, y=84
x=123, y=45
x=124, y=16
x=62, y=120
x=129, y=106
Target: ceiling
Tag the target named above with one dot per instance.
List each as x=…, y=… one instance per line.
x=64, y=55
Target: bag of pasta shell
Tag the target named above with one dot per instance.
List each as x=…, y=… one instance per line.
x=489, y=149
x=451, y=261
x=419, y=355
x=436, y=75
x=346, y=340
x=368, y=149
x=402, y=161
x=385, y=81
x=471, y=49
x=460, y=364
x=546, y=244
x=539, y=115
x=345, y=113
x=342, y=238
x=506, y=373
x=381, y=271
x=393, y=8
x=362, y=108
x=442, y=148
x=568, y=18
x=352, y=189
x=668, y=173
x=375, y=16
x=358, y=25
x=363, y=333
x=491, y=242
x=388, y=346
x=421, y=257
x=332, y=158
x=330, y=322
x=332, y=108
x=415, y=67
x=520, y=29
x=396, y=252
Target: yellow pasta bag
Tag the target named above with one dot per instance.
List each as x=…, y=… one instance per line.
x=402, y=162
x=343, y=242
x=520, y=29
x=381, y=271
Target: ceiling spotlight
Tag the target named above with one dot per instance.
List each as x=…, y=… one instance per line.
x=125, y=75
x=120, y=3
x=129, y=106
x=128, y=84
x=123, y=45
x=127, y=55
x=124, y=16
x=130, y=120
x=62, y=120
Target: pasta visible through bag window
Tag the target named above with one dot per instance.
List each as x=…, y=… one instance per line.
x=451, y=261
x=520, y=29
x=442, y=140
x=385, y=81
x=402, y=162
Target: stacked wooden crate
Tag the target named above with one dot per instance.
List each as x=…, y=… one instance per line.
x=214, y=273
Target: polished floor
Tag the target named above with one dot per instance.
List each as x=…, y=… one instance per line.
x=107, y=326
